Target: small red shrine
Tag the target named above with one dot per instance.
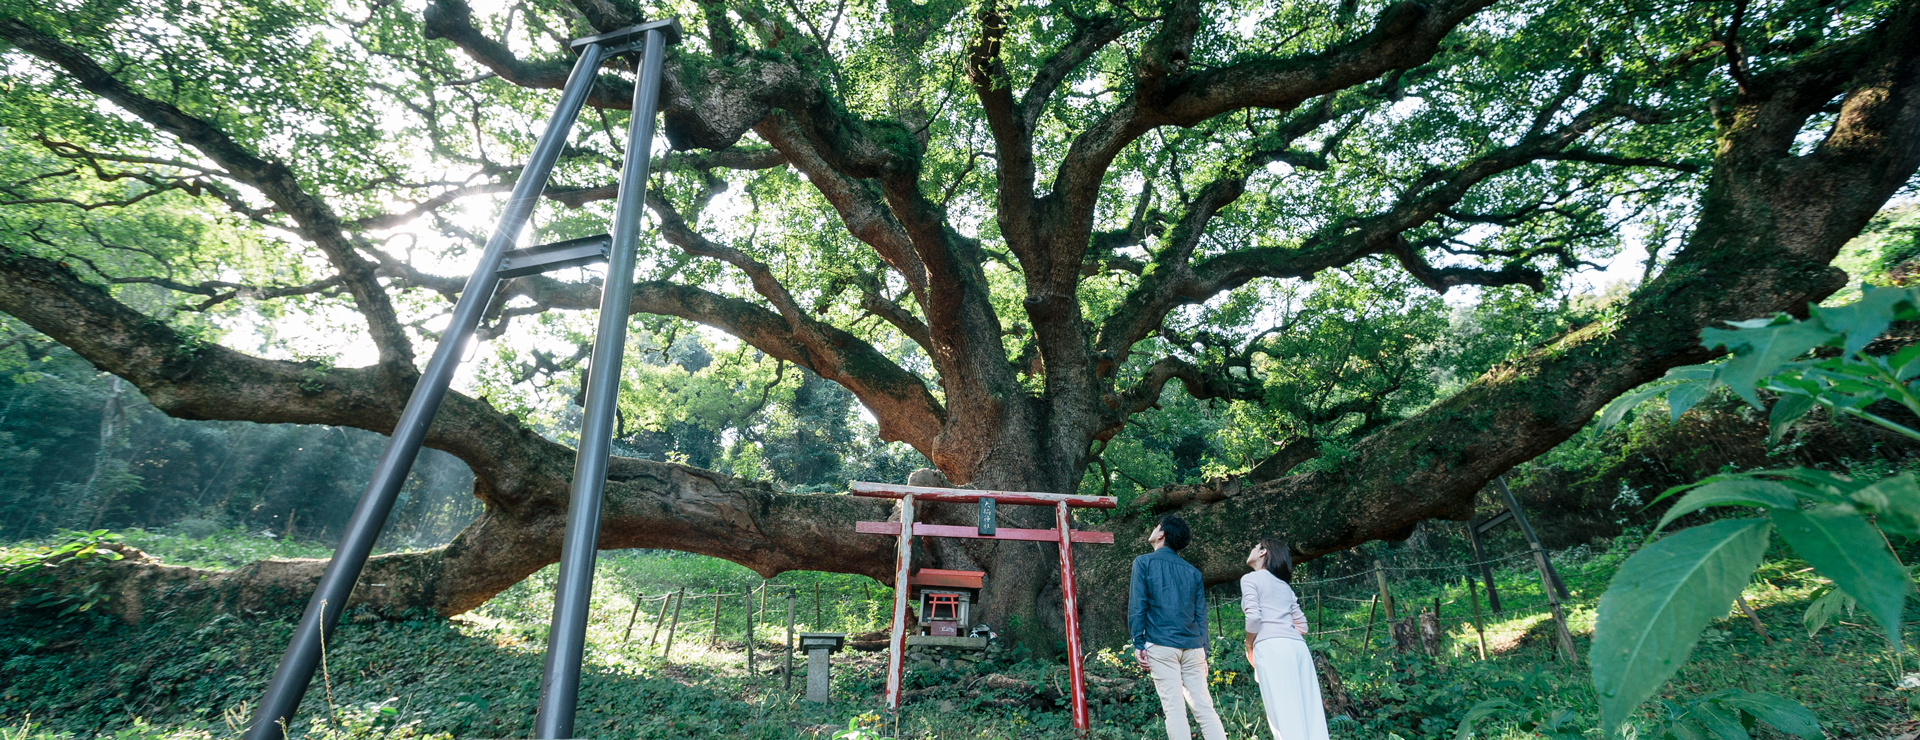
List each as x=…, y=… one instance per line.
x=945, y=596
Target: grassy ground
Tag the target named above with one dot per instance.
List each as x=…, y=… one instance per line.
x=189, y=676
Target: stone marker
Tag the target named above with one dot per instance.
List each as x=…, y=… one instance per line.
x=818, y=645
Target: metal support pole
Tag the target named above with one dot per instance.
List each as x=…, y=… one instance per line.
x=902, y=577
x=289, y=683
x=567, y=641
x=1520, y=517
x=1486, y=570
x=1075, y=672
x=1560, y=632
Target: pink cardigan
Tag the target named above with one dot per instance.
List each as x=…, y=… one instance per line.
x=1271, y=607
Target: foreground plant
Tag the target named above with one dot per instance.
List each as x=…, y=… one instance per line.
x=1652, y=613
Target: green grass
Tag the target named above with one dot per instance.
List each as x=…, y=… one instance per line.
x=88, y=675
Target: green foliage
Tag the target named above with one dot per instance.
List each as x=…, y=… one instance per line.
x=1730, y=714
x=1655, y=608
x=35, y=572
x=1652, y=613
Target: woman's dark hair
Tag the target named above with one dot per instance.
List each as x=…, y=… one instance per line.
x=1279, y=559
x=1175, y=529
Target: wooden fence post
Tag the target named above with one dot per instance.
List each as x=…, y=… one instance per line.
x=716, y=620
x=1478, y=627
x=637, y=600
x=1386, y=597
x=751, y=668
x=816, y=605
x=671, y=626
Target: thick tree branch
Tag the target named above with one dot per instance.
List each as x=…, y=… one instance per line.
x=1177, y=283
x=1771, y=222
x=316, y=220
x=1200, y=384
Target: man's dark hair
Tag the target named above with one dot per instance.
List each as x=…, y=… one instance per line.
x=1177, y=534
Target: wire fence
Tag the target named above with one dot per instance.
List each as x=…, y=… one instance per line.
x=715, y=617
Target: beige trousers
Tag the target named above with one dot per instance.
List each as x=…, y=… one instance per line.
x=1180, y=677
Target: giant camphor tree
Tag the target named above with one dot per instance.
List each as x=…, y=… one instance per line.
x=1005, y=228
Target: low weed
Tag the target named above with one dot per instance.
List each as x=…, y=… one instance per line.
x=188, y=677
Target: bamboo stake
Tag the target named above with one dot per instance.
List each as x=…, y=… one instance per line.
x=661, y=620
x=1373, y=607
x=1755, y=618
x=1439, y=628
x=632, y=616
x=671, y=626
x=1478, y=627
x=788, y=673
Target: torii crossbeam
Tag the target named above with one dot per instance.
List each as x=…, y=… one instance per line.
x=907, y=528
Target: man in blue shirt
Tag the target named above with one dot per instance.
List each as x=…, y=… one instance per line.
x=1167, y=618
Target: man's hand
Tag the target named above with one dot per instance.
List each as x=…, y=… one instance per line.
x=1140, y=656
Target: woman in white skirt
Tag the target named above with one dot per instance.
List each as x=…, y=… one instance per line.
x=1277, y=648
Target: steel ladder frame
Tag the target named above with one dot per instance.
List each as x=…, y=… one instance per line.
x=566, y=643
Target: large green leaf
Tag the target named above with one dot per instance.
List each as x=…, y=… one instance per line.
x=1652, y=613
x=1724, y=723
x=1786, y=715
x=1477, y=713
x=1864, y=320
x=1682, y=398
x=1762, y=351
x=1841, y=545
x=1896, y=501
x=1618, y=408
x=1786, y=410
x=1733, y=491
x=1825, y=609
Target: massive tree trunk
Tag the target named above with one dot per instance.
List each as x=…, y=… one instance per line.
x=1771, y=222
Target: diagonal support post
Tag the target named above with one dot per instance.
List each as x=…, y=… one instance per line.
x=567, y=637
x=294, y=674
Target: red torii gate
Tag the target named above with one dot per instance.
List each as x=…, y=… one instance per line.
x=906, y=528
